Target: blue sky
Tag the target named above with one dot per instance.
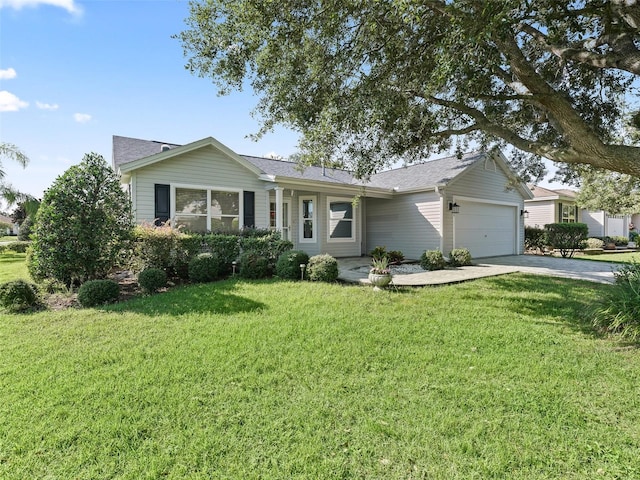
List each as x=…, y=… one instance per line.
x=72, y=74
x=75, y=73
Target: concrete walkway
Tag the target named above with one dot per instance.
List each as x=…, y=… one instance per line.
x=354, y=270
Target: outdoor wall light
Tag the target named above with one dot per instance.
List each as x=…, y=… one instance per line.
x=524, y=213
x=454, y=207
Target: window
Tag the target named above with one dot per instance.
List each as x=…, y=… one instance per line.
x=341, y=225
x=225, y=211
x=307, y=219
x=568, y=213
x=201, y=210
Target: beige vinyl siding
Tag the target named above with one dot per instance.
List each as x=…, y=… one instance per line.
x=595, y=221
x=206, y=167
x=541, y=213
x=482, y=182
x=321, y=244
x=409, y=223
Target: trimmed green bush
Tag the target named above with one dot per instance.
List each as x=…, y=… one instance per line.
x=253, y=265
x=322, y=268
x=432, y=260
x=226, y=247
x=204, y=268
x=395, y=256
x=83, y=224
x=165, y=248
x=535, y=238
x=567, y=237
x=620, y=241
x=152, y=279
x=288, y=264
x=594, y=243
x=98, y=292
x=18, y=247
x=619, y=309
x=19, y=296
x=26, y=228
x=459, y=257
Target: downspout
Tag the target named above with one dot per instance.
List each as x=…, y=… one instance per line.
x=440, y=191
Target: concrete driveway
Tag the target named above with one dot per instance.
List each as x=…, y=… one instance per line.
x=593, y=271
x=355, y=270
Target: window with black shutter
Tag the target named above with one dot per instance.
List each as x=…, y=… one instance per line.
x=249, y=202
x=162, y=203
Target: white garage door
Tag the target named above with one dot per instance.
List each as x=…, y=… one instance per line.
x=486, y=229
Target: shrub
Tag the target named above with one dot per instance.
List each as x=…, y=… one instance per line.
x=459, y=257
x=165, y=248
x=594, y=243
x=633, y=236
x=268, y=245
x=18, y=247
x=98, y=292
x=395, y=256
x=620, y=241
x=322, y=268
x=535, y=238
x=19, y=296
x=226, y=247
x=187, y=247
x=566, y=237
x=619, y=309
x=204, y=268
x=26, y=228
x=288, y=264
x=83, y=223
x=253, y=265
x=378, y=252
x=152, y=279
x=432, y=260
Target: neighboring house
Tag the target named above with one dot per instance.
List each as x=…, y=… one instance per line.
x=559, y=206
x=206, y=186
x=12, y=230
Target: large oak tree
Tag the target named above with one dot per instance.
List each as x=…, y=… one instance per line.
x=372, y=82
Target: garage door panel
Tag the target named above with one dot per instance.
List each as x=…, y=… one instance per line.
x=486, y=229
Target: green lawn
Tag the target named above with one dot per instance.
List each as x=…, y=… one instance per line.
x=13, y=267
x=497, y=378
x=626, y=257
x=8, y=238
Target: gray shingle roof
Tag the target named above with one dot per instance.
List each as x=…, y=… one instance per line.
x=281, y=168
x=127, y=149
x=417, y=176
x=425, y=175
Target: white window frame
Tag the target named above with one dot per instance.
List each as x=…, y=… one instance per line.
x=314, y=219
x=350, y=239
x=208, y=189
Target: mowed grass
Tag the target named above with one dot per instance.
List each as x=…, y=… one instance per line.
x=13, y=266
x=626, y=257
x=497, y=378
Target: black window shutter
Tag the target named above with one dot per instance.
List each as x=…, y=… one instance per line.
x=560, y=213
x=162, y=203
x=249, y=200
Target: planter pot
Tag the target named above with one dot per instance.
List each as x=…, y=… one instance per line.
x=379, y=279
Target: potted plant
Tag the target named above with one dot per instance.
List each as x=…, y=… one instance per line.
x=380, y=273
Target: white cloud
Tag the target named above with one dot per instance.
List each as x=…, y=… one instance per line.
x=274, y=156
x=81, y=117
x=7, y=74
x=69, y=5
x=47, y=106
x=10, y=103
